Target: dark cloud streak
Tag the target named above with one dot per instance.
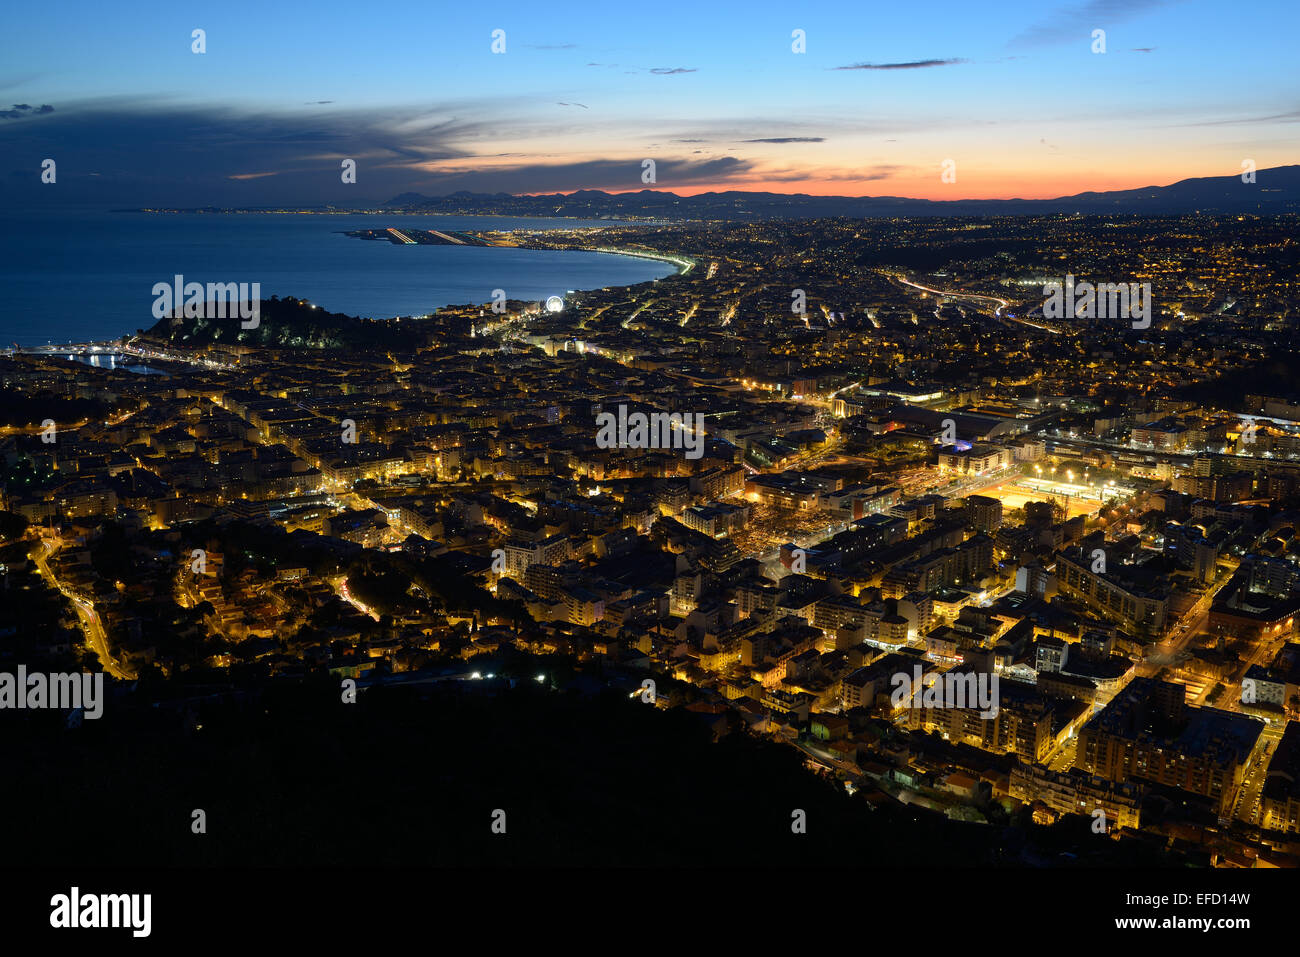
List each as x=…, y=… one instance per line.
x=159, y=154
x=908, y=65
x=1075, y=24
x=152, y=154
x=21, y=110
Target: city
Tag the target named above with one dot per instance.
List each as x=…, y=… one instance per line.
x=534, y=470
x=893, y=471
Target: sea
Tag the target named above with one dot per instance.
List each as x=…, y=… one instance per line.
x=87, y=275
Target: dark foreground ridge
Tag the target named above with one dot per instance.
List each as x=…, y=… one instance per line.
x=405, y=777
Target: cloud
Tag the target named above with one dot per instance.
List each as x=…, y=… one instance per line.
x=1076, y=24
x=24, y=109
x=16, y=79
x=832, y=175
x=157, y=151
x=721, y=131
x=154, y=151
x=617, y=175
x=909, y=65
x=670, y=71
x=1291, y=117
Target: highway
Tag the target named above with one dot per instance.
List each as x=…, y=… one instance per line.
x=1002, y=303
x=1158, y=455
x=997, y=313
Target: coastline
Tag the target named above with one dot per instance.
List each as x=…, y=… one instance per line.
x=379, y=211
x=682, y=264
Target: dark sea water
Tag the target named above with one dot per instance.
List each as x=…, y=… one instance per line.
x=78, y=276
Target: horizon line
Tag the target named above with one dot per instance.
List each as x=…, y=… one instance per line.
x=916, y=199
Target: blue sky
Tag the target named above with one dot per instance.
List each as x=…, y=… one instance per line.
x=1011, y=92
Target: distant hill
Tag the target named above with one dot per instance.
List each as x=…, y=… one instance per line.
x=1274, y=191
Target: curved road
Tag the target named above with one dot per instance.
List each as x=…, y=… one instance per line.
x=96, y=637
x=1002, y=303
x=997, y=313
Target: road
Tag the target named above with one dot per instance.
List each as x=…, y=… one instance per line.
x=1265, y=650
x=1064, y=757
x=1246, y=805
x=1193, y=621
x=1002, y=303
x=341, y=586
x=96, y=637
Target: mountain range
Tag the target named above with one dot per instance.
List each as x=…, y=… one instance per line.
x=1273, y=191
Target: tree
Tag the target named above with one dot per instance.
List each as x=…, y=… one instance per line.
x=12, y=526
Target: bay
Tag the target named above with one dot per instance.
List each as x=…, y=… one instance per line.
x=81, y=276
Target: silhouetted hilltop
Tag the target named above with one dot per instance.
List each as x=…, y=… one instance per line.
x=294, y=324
